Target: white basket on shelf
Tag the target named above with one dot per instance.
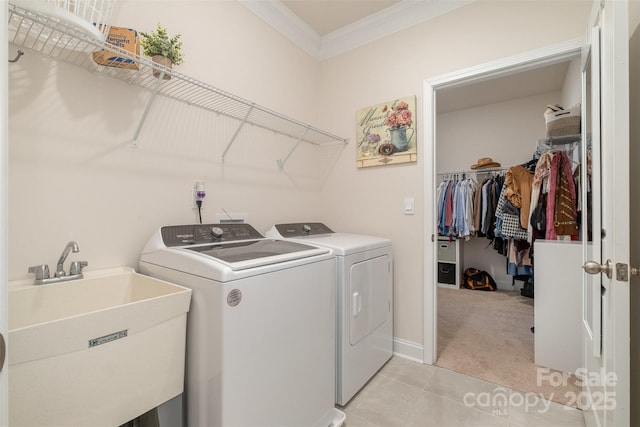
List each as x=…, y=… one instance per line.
x=91, y=17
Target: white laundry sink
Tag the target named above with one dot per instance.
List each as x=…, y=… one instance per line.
x=97, y=351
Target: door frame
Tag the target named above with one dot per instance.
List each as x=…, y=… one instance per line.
x=4, y=206
x=510, y=65
x=610, y=368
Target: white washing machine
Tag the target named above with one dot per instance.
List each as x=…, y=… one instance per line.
x=365, y=301
x=261, y=330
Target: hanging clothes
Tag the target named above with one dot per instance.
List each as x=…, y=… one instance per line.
x=518, y=183
x=456, y=208
x=540, y=184
x=561, y=201
x=508, y=218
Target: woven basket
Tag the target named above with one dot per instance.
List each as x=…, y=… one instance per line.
x=562, y=122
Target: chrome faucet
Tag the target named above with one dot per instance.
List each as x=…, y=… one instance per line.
x=71, y=246
x=75, y=272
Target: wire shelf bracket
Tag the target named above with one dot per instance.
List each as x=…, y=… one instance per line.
x=35, y=31
x=152, y=97
x=281, y=162
x=235, y=135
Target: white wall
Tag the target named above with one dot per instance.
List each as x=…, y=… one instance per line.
x=370, y=200
x=572, y=87
x=507, y=131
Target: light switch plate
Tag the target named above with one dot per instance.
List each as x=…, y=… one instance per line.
x=409, y=206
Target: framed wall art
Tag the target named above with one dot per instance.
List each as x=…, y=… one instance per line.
x=386, y=133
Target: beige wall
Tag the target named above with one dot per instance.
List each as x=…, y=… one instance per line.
x=74, y=175
x=370, y=200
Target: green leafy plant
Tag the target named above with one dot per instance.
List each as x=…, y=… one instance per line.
x=158, y=43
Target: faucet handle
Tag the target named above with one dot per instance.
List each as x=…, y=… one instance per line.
x=77, y=266
x=41, y=271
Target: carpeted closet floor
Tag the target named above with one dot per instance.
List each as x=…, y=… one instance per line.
x=488, y=335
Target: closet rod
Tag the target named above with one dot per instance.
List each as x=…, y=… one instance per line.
x=473, y=171
x=561, y=140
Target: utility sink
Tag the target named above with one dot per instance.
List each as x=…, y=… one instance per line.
x=96, y=351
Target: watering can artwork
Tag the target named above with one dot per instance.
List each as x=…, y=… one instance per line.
x=399, y=138
x=386, y=133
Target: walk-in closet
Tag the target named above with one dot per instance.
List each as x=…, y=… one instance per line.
x=487, y=133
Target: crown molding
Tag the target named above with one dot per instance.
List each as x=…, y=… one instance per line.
x=280, y=17
x=399, y=17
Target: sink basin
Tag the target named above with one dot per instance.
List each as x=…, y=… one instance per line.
x=96, y=351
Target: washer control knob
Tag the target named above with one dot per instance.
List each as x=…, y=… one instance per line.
x=216, y=231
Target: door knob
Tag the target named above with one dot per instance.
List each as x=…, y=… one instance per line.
x=3, y=351
x=593, y=267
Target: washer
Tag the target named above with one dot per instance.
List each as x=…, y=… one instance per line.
x=365, y=300
x=261, y=330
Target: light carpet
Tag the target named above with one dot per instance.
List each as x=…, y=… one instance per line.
x=487, y=335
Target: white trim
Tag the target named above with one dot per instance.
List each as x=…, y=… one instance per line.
x=407, y=349
x=280, y=17
x=517, y=63
x=4, y=205
x=401, y=16
x=396, y=18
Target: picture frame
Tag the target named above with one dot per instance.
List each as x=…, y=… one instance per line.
x=386, y=133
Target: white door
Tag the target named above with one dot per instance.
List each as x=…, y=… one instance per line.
x=4, y=164
x=606, y=390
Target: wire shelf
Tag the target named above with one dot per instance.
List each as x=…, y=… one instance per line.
x=56, y=39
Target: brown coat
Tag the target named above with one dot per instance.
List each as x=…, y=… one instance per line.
x=519, y=182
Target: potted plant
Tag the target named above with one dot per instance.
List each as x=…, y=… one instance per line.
x=162, y=49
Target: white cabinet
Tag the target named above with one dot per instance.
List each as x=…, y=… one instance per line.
x=449, y=273
x=558, y=304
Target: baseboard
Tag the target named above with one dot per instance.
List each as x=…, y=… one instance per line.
x=590, y=419
x=408, y=350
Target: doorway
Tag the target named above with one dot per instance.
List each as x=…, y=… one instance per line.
x=494, y=83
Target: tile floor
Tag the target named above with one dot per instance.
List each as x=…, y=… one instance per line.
x=406, y=393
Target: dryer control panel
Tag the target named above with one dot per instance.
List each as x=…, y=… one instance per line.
x=181, y=235
x=302, y=229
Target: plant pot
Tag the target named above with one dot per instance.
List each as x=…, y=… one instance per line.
x=164, y=61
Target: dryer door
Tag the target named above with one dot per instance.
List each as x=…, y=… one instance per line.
x=370, y=281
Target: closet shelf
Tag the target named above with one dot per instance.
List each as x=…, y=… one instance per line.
x=39, y=33
x=473, y=171
x=559, y=140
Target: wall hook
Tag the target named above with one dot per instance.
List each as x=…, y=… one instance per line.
x=20, y=53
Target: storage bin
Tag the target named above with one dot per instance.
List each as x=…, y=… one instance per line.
x=447, y=251
x=562, y=122
x=447, y=273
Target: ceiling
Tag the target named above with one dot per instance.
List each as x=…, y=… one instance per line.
x=326, y=16
x=549, y=78
x=326, y=28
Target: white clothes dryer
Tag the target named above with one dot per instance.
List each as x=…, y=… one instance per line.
x=365, y=300
x=261, y=330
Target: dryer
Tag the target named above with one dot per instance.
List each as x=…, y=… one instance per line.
x=261, y=330
x=364, y=339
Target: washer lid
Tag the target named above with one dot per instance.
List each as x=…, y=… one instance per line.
x=316, y=233
x=292, y=230
x=254, y=253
